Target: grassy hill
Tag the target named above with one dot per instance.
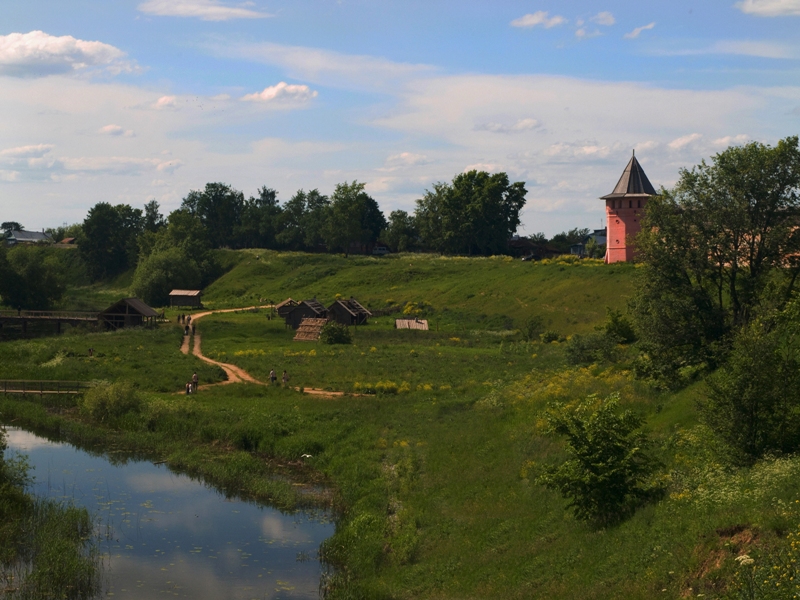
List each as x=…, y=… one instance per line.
x=487, y=293
x=435, y=486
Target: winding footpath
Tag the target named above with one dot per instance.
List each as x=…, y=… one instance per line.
x=234, y=374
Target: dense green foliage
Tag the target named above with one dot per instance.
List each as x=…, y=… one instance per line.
x=352, y=218
x=163, y=271
x=753, y=403
x=109, y=239
x=609, y=472
x=31, y=277
x=720, y=248
x=476, y=214
x=334, y=333
x=107, y=402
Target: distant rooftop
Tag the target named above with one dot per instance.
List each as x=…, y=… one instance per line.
x=633, y=182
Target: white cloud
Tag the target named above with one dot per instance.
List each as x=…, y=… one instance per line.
x=283, y=93
x=404, y=160
x=770, y=8
x=32, y=151
x=9, y=175
x=583, y=34
x=638, y=31
x=518, y=127
x=577, y=151
x=116, y=130
x=541, y=17
x=327, y=67
x=483, y=166
x=683, y=141
x=207, y=10
x=37, y=54
x=166, y=102
x=604, y=18
x=740, y=48
x=732, y=140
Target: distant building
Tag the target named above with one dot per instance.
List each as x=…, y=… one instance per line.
x=624, y=210
x=189, y=298
x=128, y=312
x=348, y=312
x=307, y=309
x=284, y=308
x=17, y=237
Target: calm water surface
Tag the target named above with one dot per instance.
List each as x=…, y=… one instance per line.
x=166, y=535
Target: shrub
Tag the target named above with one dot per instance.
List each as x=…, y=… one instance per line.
x=609, y=472
x=618, y=327
x=334, y=333
x=163, y=271
x=589, y=348
x=106, y=402
x=533, y=327
x=549, y=336
x=753, y=402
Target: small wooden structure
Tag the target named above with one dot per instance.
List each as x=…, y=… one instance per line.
x=310, y=330
x=348, y=312
x=307, y=309
x=421, y=324
x=191, y=298
x=128, y=312
x=284, y=308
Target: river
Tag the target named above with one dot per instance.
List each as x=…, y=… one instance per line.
x=168, y=535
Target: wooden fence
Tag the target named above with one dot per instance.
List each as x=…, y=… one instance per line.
x=41, y=387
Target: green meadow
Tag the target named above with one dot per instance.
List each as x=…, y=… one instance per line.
x=430, y=459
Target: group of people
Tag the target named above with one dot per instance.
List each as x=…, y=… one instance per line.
x=187, y=321
x=273, y=377
x=191, y=385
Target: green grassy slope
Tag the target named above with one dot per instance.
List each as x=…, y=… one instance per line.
x=486, y=293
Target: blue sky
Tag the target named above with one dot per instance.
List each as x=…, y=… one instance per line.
x=127, y=101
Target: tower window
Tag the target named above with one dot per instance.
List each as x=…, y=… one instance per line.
x=640, y=203
x=630, y=203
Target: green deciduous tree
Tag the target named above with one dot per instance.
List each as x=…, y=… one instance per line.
x=302, y=221
x=476, y=214
x=753, y=401
x=401, y=232
x=219, y=208
x=165, y=270
x=30, y=278
x=353, y=217
x=719, y=248
x=609, y=472
x=108, y=243
x=261, y=217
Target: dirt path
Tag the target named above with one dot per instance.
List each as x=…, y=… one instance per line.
x=235, y=374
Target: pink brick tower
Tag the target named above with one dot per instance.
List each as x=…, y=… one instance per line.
x=624, y=210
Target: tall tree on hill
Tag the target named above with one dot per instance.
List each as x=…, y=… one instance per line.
x=476, y=214
x=353, y=217
x=260, y=220
x=401, y=233
x=720, y=248
x=219, y=208
x=153, y=219
x=108, y=240
x=30, y=278
x=302, y=220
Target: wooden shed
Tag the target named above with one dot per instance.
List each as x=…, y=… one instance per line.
x=128, y=312
x=307, y=309
x=284, y=308
x=191, y=298
x=348, y=312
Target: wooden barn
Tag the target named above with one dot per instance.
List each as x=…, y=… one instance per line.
x=307, y=309
x=190, y=298
x=284, y=308
x=348, y=312
x=128, y=312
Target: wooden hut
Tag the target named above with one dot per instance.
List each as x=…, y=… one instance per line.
x=284, y=308
x=128, y=312
x=191, y=298
x=307, y=309
x=348, y=312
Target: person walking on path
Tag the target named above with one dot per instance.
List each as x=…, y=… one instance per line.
x=186, y=330
x=188, y=388
x=285, y=378
x=272, y=377
x=193, y=329
x=195, y=381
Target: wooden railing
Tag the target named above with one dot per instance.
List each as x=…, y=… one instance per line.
x=41, y=387
x=50, y=315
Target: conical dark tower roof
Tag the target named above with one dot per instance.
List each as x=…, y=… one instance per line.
x=632, y=183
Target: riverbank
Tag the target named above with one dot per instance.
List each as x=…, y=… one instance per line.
x=47, y=548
